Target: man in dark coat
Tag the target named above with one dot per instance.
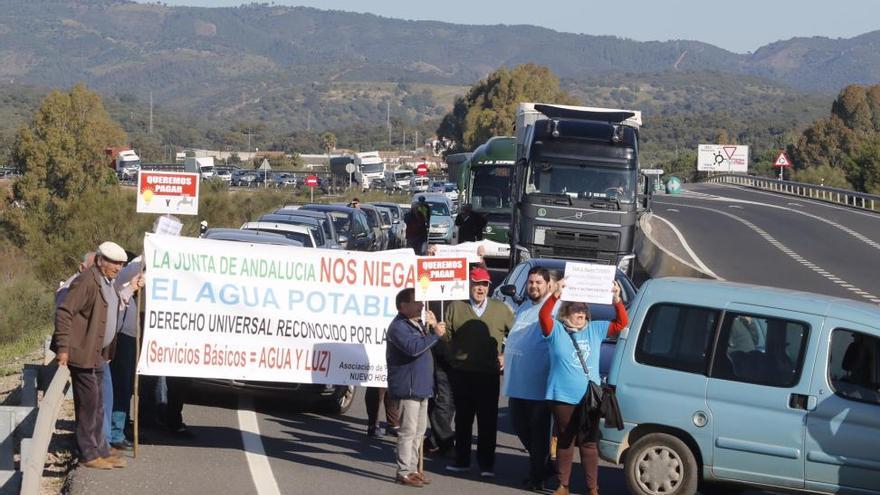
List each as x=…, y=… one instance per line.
x=84, y=340
x=411, y=380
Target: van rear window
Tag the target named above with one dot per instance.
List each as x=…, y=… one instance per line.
x=677, y=337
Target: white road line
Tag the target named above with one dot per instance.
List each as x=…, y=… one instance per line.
x=811, y=201
x=672, y=209
x=793, y=255
x=796, y=204
x=870, y=242
x=736, y=207
x=702, y=266
x=258, y=463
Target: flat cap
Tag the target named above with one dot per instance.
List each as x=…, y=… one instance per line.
x=112, y=251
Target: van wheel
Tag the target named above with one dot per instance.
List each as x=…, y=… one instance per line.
x=341, y=402
x=660, y=464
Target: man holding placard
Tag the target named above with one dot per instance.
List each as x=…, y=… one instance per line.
x=476, y=329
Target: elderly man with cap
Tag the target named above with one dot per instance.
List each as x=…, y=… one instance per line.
x=86, y=322
x=476, y=329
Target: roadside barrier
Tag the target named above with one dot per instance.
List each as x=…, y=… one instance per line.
x=30, y=426
x=853, y=199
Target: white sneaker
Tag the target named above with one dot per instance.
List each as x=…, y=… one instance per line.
x=457, y=469
x=487, y=474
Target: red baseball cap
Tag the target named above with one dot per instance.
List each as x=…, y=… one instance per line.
x=479, y=274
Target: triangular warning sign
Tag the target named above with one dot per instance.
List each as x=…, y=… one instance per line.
x=782, y=160
x=729, y=151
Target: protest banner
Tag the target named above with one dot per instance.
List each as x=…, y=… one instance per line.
x=441, y=279
x=219, y=309
x=588, y=282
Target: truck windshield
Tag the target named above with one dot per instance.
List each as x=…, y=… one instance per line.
x=580, y=181
x=491, y=187
x=398, y=176
x=370, y=168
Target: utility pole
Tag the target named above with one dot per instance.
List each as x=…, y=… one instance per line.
x=417, y=141
x=151, y=112
x=309, y=122
x=404, y=141
x=388, y=121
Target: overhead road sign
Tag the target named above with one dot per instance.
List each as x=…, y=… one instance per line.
x=723, y=158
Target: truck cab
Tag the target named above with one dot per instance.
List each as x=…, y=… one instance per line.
x=576, y=184
x=487, y=185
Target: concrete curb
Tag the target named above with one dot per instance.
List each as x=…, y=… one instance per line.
x=659, y=261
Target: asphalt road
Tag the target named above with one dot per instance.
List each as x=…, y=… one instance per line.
x=749, y=236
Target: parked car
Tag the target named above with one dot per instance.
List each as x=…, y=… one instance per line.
x=321, y=241
x=243, y=178
x=746, y=385
x=224, y=174
x=398, y=226
x=374, y=220
x=323, y=217
x=254, y=236
x=301, y=233
x=284, y=179
x=351, y=225
x=331, y=399
x=512, y=291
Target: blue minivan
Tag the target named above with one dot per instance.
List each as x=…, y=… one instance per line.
x=739, y=384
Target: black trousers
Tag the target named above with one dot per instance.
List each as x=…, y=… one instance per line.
x=88, y=407
x=531, y=422
x=476, y=394
x=441, y=409
x=178, y=389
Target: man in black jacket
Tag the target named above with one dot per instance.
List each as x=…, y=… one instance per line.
x=470, y=224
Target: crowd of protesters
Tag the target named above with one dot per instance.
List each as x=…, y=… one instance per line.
x=443, y=372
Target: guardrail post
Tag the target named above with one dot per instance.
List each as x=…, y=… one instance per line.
x=29, y=387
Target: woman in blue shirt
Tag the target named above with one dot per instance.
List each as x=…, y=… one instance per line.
x=574, y=343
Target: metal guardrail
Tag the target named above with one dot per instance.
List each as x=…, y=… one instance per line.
x=845, y=197
x=34, y=450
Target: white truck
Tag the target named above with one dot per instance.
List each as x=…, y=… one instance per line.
x=398, y=180
x=202, y=165
x=369, y=167
x=124, y=161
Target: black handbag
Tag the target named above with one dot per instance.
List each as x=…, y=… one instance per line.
x=601, y=399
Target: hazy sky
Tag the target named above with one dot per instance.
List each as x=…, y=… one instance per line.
x=739, y=26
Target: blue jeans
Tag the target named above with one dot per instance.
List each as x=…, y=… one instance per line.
x=107, y=396
x=122, y=368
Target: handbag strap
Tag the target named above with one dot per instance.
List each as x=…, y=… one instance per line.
x=579, y=353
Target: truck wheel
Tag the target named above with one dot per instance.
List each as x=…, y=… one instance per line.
x=660, y=464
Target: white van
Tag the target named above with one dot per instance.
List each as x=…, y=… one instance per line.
x=202, y=165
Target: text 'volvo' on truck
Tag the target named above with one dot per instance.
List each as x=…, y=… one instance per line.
x=576, y=184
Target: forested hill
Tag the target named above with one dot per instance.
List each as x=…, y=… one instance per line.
x=190, y=56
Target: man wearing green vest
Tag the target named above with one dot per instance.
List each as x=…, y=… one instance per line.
x=476, y=329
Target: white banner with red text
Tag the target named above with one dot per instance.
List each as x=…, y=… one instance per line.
x=242, y=311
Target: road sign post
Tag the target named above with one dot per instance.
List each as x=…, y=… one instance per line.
x=312, y=182
x=350, y=168
x=782, y=162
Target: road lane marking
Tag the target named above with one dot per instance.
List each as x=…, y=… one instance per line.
x=255, y=453
x=858, y=235
x=672, y=209
x=812, y=201
x=702, y=266
x=795, y=256
x=736, y=207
